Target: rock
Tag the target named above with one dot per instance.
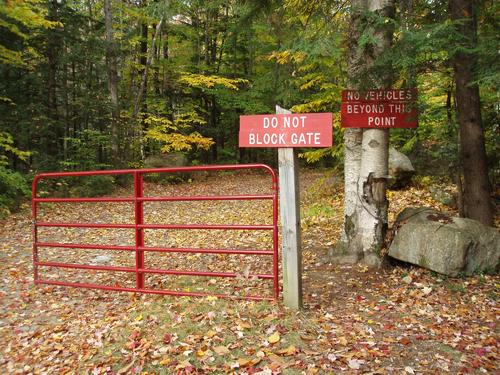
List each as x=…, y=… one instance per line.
x=407, y=279
x=442, y=196
x=445, y=244
x=174, y=160
x=102, y=259
x=166, y=160
x=400, y=169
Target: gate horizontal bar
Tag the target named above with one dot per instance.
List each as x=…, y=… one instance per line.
x=86, y=266
x=206, y=251
x=154, y=249
x=206, y=226
x=149, y=270
x=84, y=246
x=203, y=273
x=156, y=199
x=150, y=291
x=207, y=198
x=157, y=226
x=83, y=200
x=158, y=170
x=84, y=225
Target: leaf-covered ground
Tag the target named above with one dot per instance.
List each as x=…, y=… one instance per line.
x=398, y=320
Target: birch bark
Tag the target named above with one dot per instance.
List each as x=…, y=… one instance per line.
x=365, y=150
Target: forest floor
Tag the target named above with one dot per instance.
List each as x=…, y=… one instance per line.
x=400, y=319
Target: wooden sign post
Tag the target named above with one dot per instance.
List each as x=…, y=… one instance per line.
x=287, y=131
x=288, y=167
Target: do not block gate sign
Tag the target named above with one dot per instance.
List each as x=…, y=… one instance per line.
x=286, y=130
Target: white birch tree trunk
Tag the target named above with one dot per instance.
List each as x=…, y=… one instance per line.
x=365, y=150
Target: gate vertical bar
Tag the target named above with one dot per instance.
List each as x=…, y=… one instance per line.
x=139, y=232
x=34, y=210
x=276, y=286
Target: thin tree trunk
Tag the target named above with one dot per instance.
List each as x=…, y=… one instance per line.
x=477, y=192
x=140, y=93
x=52, y=144
x=112, y=81
x=142, y=88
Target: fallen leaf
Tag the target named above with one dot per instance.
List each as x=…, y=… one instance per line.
x=291, y=350
x=355, y=364
x=126, y=368
x=274, y=338
x=221, y=350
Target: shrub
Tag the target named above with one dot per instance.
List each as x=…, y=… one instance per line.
x=92, y=186
x=13, y=189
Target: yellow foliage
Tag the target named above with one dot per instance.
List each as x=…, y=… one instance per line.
x=210, y=81
x=312, y=80
x=285, y=57
x=178, y=141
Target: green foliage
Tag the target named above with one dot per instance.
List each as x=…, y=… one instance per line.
x=19, y=18
x=7, y=147
x=13, y=189
x=83, y=150
x=93, y=186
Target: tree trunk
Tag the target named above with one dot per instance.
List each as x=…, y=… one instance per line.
x=53, y=49
x=366, y=150
x=346, y=250
x=112, y=81
x=473, y=153
x=142, y=88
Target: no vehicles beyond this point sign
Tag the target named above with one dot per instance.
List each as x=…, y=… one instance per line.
x=379, y=109
x=286, y=130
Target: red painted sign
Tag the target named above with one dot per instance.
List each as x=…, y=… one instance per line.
x=293, y=130
x=379, y=109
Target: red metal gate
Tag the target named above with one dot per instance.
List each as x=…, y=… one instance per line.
x=138, y=199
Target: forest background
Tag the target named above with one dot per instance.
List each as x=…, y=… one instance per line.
x=106, y=84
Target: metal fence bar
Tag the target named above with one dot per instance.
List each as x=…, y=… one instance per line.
x=142, y=271
x=84, y=246
x=205, y=273
x=139, y=232
x=84, y=200
x=276, y=287
x=206, y=226
x=93, y=267
x=207, y=251
x=86, y=225
x=207, y=198
x=152, y=291
x=156, y=199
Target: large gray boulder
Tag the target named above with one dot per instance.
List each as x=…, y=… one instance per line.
x=173, y=160
x=166, y=160
x=400, y=169
x=449, y=245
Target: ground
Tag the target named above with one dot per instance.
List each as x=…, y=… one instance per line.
x=400, y=319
